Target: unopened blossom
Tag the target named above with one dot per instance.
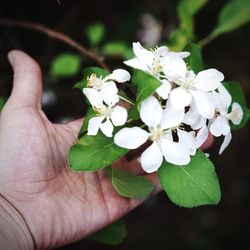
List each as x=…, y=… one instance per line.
x=105, y=87
x=220, y=124
x=160, y=122
x=197, y=88
x=155, y=63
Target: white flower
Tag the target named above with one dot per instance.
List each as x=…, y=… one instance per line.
x=220, y=124
x=154, y=62
x=105, y=88
x=197, y=122
x=106, y=119
x=160, y=125
x=195, y=87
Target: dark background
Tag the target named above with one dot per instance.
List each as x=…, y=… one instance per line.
x=158, y=224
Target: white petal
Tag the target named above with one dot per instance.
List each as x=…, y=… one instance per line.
x=161, y=51
x=164, y=90
x=180, y=98
x=236, y=114
x=208, y=80
x=204, y=103
x=142, y=54
x=119, y=75
x=171, y=117
x=194, y=119
x=94, y=124
x=187, y=140
x=226, y=142
x=201, y=136
x=151, y=158
x=107, y=128
x=226, y=98
x=174, y=68
x=136, y=64
x=94, y=97
x=151, y=112
x=119, y=116
x=109, y=92
x=175, y=153
x=131, y=138
x=182, y=54
x=220, y=126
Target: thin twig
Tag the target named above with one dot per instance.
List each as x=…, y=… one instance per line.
x=57, y=35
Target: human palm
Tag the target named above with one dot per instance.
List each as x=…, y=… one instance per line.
x=58, y=205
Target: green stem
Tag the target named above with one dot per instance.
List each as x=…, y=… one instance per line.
x=203, y=42
x=126, y=99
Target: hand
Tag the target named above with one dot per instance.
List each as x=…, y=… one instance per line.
x=57, y=205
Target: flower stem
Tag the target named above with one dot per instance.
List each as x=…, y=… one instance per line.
x=126, y=99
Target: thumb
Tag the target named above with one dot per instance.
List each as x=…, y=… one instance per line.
x=27, y=83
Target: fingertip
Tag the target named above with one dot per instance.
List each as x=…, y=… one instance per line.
x=27, y=83
x=11, y=57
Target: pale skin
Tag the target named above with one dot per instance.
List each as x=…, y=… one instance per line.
x=49, y=205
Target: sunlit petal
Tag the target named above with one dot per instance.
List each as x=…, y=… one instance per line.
x=107, y=128
x=119, y=75
x=94, y=124
x=164, y=90
x=119, y=116
x=175, y=153
x=220, y=126
x=204, y=103
x=208, y=80
x=180, y=98
x=131, y=138
x=151, y=112
x=187, y=140
x=201, y=136
x=151, y=158
x=226, y=142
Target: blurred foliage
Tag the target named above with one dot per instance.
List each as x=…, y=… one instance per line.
x=232, y=16
x=95, y=33
x=65, y=65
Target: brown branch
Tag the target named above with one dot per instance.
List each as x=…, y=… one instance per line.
x=54, y=34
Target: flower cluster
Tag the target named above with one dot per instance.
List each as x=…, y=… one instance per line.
x=176, y=119
x=102, y=94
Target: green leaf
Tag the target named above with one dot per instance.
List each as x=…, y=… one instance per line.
x=178, y=40
x=113, y=235
x=1, y=103
x=192, y=185
x=186, y=11
x=117, y=49
x=233, y=15
x=65, y=65
x=195, y=59
x=88, y=72
x=95, y=33
x=146, y=85
x=133, y=113
x=94, y=152
x=90, y=113
x=238, y=96
x=130, y=185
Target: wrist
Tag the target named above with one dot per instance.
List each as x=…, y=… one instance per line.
x=14, y=232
